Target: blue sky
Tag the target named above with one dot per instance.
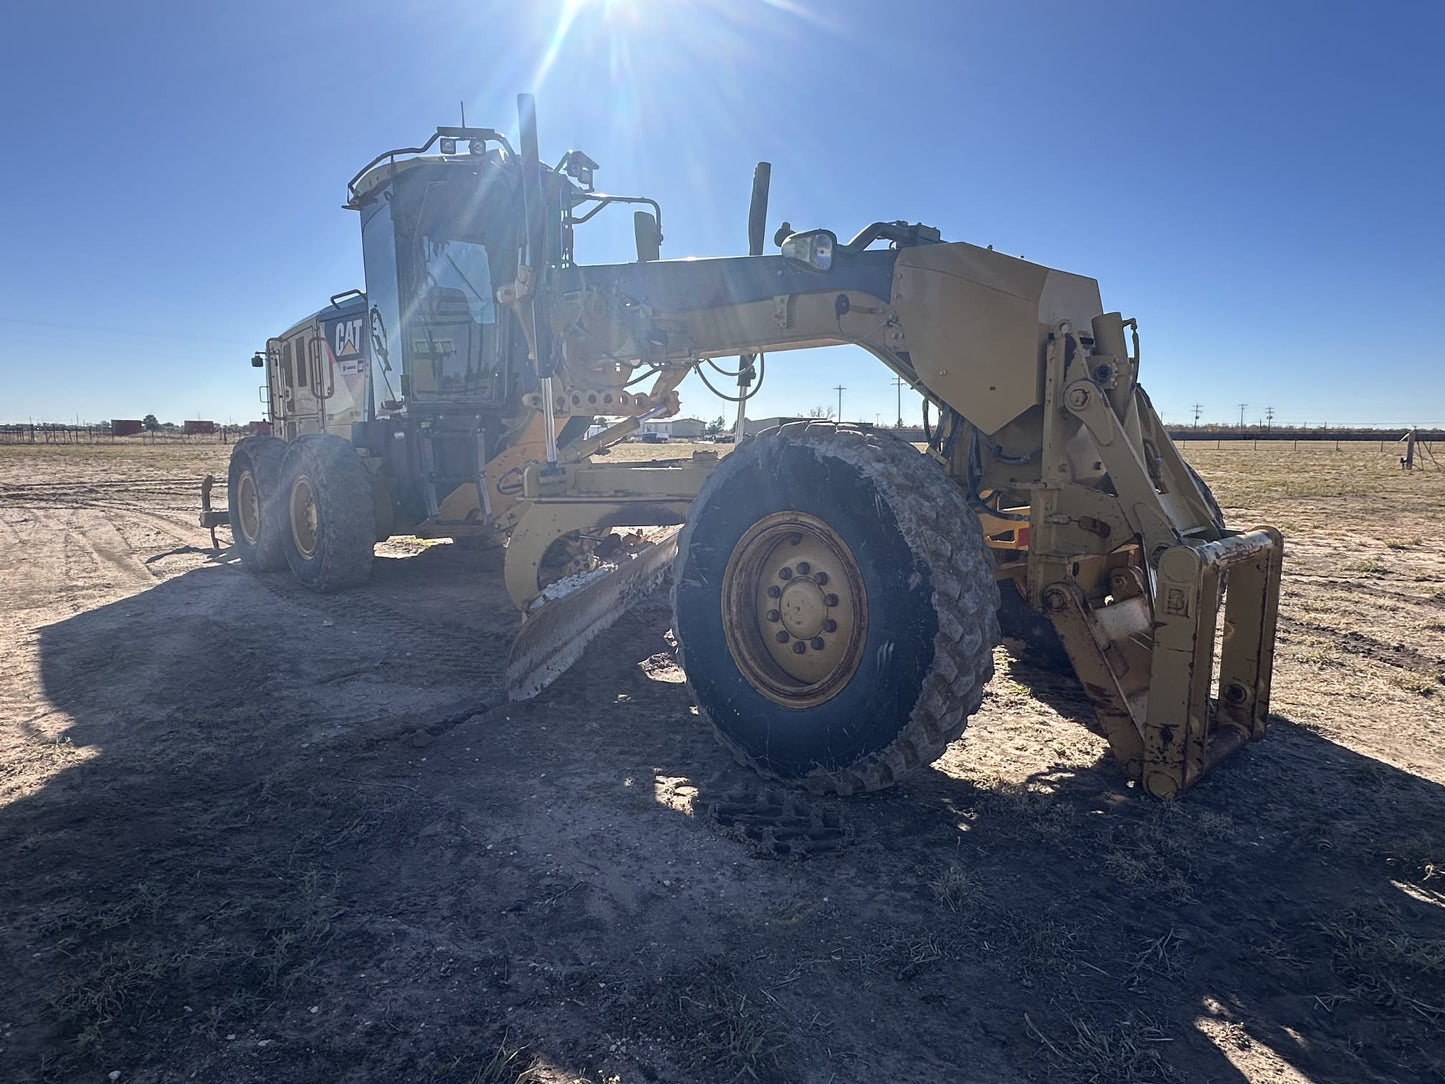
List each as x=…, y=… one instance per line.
x=1259, y=184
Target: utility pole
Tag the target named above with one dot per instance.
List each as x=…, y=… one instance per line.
x=1197, y=411
x=840, y=390
x=898, y=384
x=1268, y=418
x=1241, y=416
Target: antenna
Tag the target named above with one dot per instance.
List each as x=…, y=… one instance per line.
x=464, y=114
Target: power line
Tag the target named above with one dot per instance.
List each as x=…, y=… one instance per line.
x=840, y=389
x=898, y=383
x=1241, y=414
x=1197, y=411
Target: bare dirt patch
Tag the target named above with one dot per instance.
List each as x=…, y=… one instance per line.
x=248, y=833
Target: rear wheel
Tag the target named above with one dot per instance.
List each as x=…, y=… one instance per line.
x=253, y=494
x=331, y=514
x=835, y=606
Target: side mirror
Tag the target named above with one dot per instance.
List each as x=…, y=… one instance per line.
x=649, y=237
x=258, y=360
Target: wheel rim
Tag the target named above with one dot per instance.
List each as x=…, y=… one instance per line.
x=795, y=614
x=304, y=530
x=248, y=508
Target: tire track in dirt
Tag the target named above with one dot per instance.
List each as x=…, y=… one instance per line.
x=111, y=551
x=175, y=531
x=1369, y=647
x=30, y=579
x=1329, y=583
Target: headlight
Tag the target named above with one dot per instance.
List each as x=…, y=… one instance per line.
x=813, y=249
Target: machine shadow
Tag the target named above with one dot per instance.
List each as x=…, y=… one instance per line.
x=175, y=859
x=1286, y=912
x=242, y=819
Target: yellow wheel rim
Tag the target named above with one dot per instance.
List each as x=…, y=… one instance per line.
x=304, y=530
x=248, y=508
x=795, y=614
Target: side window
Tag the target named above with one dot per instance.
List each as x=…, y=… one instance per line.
x=300, y=354
x=286, y=365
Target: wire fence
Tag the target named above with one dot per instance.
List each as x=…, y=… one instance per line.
x=111, y=433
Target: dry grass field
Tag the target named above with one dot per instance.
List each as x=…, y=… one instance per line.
x=252, y=834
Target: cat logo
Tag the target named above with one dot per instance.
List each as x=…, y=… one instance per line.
x=346, y=346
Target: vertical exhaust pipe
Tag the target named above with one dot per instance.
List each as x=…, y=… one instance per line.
x=534, y=213
x=758, y=208
x=757, y=231
x=531, y=179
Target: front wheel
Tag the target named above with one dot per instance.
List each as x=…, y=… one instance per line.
x=331, y=513
x=834, y=606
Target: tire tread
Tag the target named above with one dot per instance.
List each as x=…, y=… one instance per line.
x=944, y=533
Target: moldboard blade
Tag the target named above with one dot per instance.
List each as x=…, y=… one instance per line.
x=553, y=637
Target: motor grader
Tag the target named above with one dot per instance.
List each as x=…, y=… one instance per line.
x=837, y=591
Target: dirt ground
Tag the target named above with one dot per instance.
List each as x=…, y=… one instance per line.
x=252, y=834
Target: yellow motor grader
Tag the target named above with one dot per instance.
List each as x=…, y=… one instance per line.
x=838, y=592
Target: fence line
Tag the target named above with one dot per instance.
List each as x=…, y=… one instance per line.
x=58, y=433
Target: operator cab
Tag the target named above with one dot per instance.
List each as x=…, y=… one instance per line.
x=440, y=234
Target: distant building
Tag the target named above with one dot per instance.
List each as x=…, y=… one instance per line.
x=126, y=427
x=676, y=428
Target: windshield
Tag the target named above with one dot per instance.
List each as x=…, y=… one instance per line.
x=456, y=252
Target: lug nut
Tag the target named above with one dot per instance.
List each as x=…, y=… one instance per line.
x=773, y=615
x=775, y=591
x=820, y=578
x=830, y=625
x=781, y=636
x=816, y=643
x=804, y=568
x=830, y=600
x=799, y=647
x=785, y=573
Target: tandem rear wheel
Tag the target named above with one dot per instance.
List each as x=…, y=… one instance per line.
x=331, y=515
x=835, y=607
x=253, y=494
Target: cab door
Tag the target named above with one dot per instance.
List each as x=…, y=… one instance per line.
x=304, y=405
x=275, y=390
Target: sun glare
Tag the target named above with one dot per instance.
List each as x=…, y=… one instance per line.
x=696, y=29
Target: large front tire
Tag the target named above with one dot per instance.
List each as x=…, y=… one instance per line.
x=835, y=607
x=257, y=507
x=331, y=514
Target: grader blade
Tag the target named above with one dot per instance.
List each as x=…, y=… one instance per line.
x=554, y=635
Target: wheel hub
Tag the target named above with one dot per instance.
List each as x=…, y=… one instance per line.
x=803, y=609
x=248, y=508
x=795, y=613
x=304, y=528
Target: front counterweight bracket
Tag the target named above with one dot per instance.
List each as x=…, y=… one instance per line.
x=1148, y=664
